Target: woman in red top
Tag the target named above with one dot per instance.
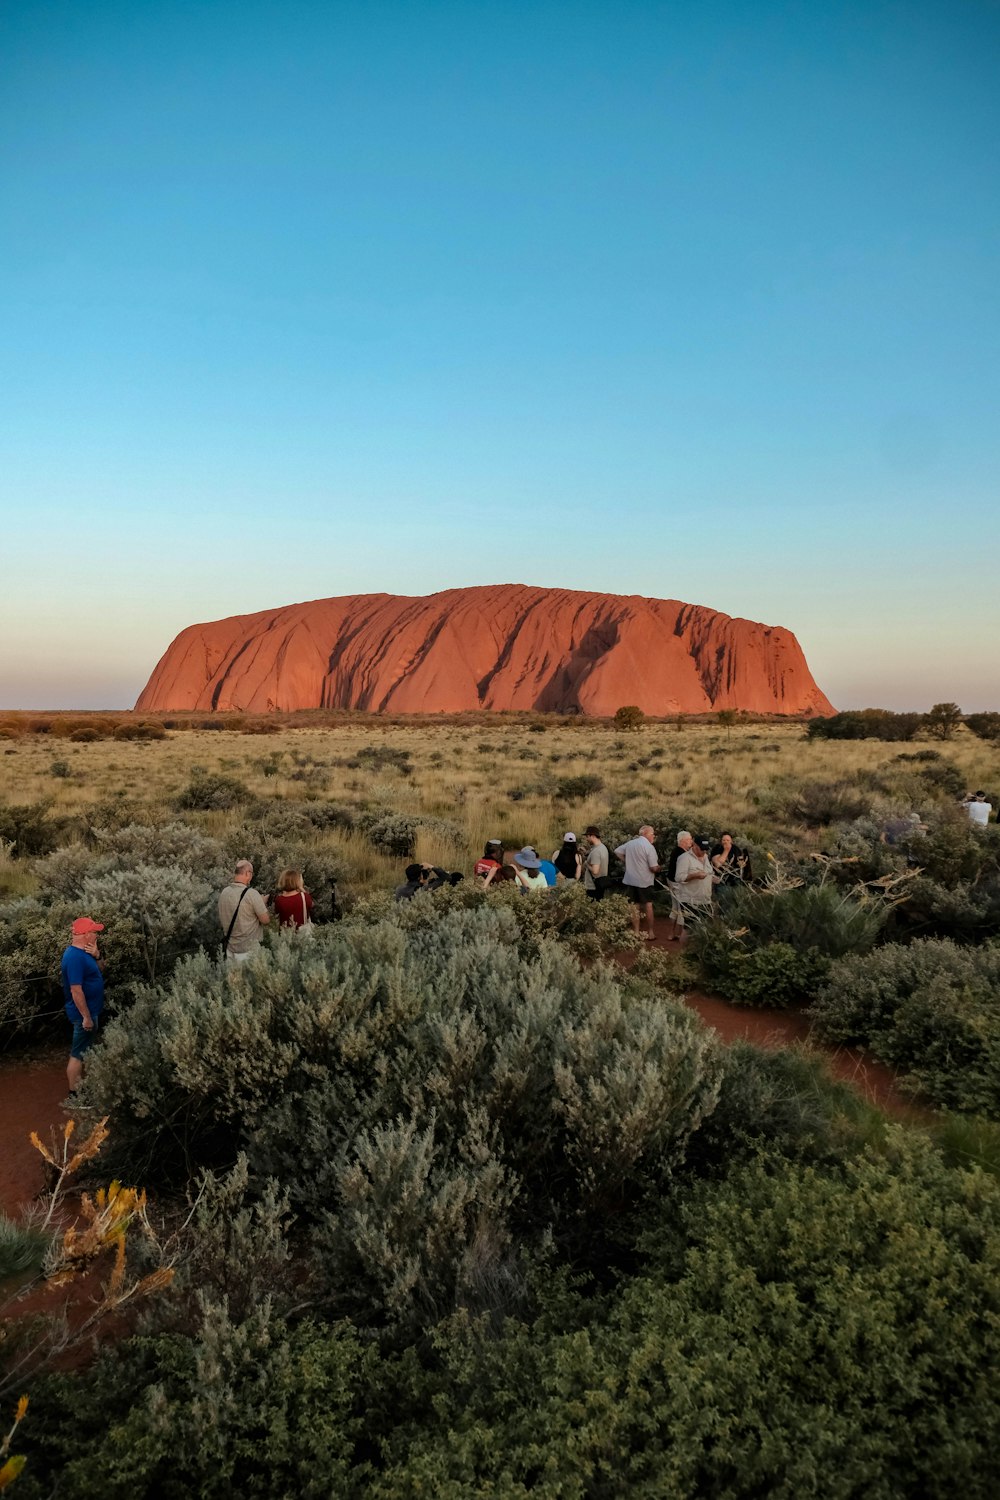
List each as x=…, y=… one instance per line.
x=293, y=902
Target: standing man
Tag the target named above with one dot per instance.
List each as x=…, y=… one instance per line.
x=641, y=864
x=243, y=915
x=696, y=879
x=83, y=987
x=684, y=842
x=595, y=871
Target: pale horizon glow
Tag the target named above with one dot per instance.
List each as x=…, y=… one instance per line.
x=689, y=302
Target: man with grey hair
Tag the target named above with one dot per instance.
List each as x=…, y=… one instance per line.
x=683, y=844
x=641, y=864
x=243, y=915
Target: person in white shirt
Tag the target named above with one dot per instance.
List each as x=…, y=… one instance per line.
x=641, y=864
x=978, y=809
x=696, y=879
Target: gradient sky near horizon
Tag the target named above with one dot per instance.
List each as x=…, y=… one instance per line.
x=693, y=301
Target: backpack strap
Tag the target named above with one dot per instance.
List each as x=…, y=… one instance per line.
x=225, y=942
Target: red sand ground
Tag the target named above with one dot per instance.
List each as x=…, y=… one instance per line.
x=31, y=1090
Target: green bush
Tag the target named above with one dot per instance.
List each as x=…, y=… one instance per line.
x=774, y=974
x=211, y=791
x=931, y=1009
x=28, y=827
x=865, y=724
x=419, y=1090
x=803, y=1334
x=819, y=917
x=984, y=726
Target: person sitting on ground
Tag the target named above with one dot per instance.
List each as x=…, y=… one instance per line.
x=528, y=871
x=695, y=879
x=595, y=875
x=681, y=846
x=425, y=878
x=487, y=869
x=641, y=864
x=978, y=808
x=243, y=915
x=567, y=859
x=82, y=972
x=293, y=904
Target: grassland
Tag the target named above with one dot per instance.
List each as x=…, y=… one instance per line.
x=496, y=778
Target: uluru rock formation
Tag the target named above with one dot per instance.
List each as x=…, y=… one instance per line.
x=497, y=647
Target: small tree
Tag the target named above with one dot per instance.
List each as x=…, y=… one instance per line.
x=629, y=716
x=943, y=720
x=727, y=718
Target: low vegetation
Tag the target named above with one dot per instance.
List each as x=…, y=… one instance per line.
x=442, y=1199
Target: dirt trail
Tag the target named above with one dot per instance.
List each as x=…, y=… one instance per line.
x=782, y=1028
x=31, y=1090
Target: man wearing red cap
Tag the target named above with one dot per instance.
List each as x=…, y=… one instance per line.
x=83, y=987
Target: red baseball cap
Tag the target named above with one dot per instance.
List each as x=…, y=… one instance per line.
x=83, y=925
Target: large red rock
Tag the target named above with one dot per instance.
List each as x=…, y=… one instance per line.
x=500, y=647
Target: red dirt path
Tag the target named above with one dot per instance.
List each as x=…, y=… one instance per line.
x=31, y=1090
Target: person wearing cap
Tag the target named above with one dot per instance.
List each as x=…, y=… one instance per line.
x=568, y=859
x=82, y=971
x=243, y=915
x=528, y=871
x=595, y=875
x=487, y=869
x=641, y=864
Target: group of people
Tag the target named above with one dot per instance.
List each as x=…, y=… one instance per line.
x=526, y=868
x=693, y=871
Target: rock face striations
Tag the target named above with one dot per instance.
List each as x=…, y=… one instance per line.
x=502, y=647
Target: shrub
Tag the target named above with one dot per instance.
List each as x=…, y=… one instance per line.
x=931, y=1009
x=773, y=974
x=391, y=833
x=798, y=1334
x=985, y=726
x=211, y=791
x=576, y=788
x=419, y=1091
x=820, y=917
x=629, y=716
x=818, y=803
x=28, y=827
x=865, y=724
x=171, y=910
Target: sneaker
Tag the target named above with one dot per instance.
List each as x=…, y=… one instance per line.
x=73, y=1105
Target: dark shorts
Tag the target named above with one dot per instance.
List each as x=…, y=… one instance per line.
x=639, y=895
x=82, y=1040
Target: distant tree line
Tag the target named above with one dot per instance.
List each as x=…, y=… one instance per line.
x=882, y=724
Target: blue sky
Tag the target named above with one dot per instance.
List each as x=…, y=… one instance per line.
x=691, y=301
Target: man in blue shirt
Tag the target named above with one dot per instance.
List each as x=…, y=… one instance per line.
x=83, y=988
